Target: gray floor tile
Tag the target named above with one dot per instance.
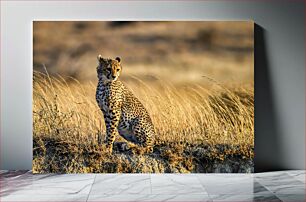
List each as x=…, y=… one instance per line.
x=266, y=198
x=260, y=189
x=150, y=198
x=296, y=171
x=282, y=183
x=181, y=197
x=287, y=189
x=117, y=184
x=292, y=197
x=42, y=198
x=216, y=184
x=15, y=175
x=298, y=175
x=245, y=198
x=272, y=175
x=173, y=184
x=47, y=184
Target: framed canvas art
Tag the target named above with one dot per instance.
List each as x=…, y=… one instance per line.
x=143, y=96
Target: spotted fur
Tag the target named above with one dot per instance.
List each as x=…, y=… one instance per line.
x=123, y=112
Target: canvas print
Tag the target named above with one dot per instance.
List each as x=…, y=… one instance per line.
x=143, y=96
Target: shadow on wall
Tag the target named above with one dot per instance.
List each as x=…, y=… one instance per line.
x=267, y=135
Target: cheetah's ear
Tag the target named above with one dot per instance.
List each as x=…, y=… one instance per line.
x=100, y=59
x=118, y=59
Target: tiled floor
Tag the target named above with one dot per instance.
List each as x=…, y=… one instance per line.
x=272, y=186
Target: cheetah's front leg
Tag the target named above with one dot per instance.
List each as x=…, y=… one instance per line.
x=111, y=123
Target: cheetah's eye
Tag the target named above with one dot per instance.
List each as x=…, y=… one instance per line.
x=118, y=70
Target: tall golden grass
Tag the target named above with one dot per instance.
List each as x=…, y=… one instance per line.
x=67, y=119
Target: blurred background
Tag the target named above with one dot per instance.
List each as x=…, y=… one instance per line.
x=177, y=51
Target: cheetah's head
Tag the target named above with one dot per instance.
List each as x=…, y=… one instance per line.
x=109, y=69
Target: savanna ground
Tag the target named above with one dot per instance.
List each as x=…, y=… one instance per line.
x=194, y=78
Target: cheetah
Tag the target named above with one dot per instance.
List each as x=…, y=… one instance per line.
x=123, y=112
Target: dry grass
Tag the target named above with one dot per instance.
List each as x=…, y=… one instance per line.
x=196, y=127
